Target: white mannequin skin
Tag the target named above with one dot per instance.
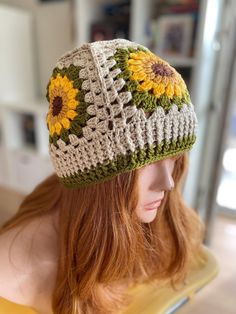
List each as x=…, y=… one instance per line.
x=30, y=280
x=154, y=179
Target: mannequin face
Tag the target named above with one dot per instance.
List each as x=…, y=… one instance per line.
x=154, y=180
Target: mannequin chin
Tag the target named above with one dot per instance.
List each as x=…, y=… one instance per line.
x=146, y=216
x=154, y=180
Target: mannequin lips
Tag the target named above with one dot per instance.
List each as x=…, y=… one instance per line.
x=154, y=205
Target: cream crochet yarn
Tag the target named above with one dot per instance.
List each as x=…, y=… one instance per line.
x=115, y=106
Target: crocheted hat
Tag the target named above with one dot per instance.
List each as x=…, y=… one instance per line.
x=115, y=106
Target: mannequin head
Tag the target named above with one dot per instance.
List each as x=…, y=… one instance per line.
x=99, y=137
x=154, y=180
x=105, y=235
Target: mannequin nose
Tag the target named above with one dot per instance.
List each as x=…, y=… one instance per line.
x=169, y=184
x=164, y=179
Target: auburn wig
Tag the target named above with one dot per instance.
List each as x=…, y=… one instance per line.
x=104, y=248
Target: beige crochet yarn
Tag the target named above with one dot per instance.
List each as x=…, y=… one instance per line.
x=115, y=106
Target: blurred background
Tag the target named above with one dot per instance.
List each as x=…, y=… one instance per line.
x=198, y=38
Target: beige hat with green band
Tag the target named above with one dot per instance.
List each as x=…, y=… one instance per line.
x=114, y=106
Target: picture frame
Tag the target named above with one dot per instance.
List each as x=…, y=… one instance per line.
x=28, y=129
x=105, y=30
x=174, y=34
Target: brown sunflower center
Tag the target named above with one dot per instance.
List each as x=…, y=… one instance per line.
x=56, y=105
x=161, y=69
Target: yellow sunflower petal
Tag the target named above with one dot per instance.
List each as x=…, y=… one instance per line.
x=159, y=90
x=162, y=87
x=51, y=86
x=67, y=86
x=148, y=67
x=183, y=86
x=63, y=81
x=170, y=90
x=50, y=94
x=165, y=80
x=145, y=54
x=177, y=91
x=135, y=56
x=151, y=76
x=72, y=104
x=58, y=127
x=134, y=62
x=52, y=129
x=57, y=82
x=51, y=125
x=72, y=93
x=66, y=123
x=52, y=89
x=135, y=68
x=157, y=79
x=139, y=76
x=146, y=85
x=71, y=114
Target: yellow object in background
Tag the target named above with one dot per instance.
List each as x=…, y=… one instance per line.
x=8, y=307
x=150, y=299
x=154, y=299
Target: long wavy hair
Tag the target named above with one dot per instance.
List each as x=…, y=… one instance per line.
x=104, y=249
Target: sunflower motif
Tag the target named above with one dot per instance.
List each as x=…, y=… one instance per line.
x=154, y=74
x=63, y=102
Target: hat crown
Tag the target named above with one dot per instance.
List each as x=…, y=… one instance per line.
x=107, y=101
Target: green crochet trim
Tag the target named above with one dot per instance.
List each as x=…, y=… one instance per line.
x=72, y=72
x=129, y=162
x=146, y=100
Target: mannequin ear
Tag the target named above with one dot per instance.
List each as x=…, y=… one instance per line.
x=177, y=157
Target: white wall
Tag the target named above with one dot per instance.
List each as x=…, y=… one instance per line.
x=17, y=62
x=52, y=36
x=23, y=4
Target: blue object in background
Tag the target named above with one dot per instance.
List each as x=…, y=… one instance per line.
x=233, y=126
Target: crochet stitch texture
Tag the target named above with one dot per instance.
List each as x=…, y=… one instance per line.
x=115, y=106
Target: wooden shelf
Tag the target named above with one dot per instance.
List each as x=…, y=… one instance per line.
x=24, y=164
